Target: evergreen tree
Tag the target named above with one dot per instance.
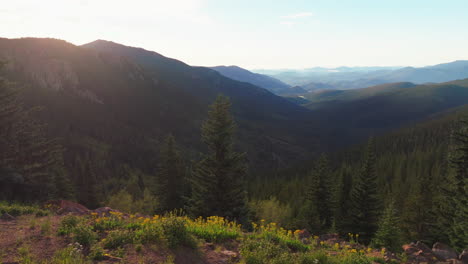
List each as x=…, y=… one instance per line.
x=87, y=184
x=318, y=210
x=365, y=202
x=30, y=157
x=218, y=179
x=452, y=207
x=171, y=177
x=389, y=234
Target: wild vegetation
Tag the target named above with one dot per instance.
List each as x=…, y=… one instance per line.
x=128, y=238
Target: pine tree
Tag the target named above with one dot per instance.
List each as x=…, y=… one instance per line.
x=388, y=234
x=88, y=187
x=25, y=151
x=452, y=210
x=218, y=179
x=171, y=177
x=318, y=209
x=365, y=202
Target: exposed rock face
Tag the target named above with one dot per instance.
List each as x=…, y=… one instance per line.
x=444, y=252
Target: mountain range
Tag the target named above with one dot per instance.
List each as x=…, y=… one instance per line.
x=360, y=77
x=117, y=103
x=120, y=102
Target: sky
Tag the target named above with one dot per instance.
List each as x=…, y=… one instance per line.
x=257, y=34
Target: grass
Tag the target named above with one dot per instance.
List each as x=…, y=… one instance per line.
x=46, y=227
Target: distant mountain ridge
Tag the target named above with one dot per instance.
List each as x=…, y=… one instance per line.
x=356, y=77
x=261, y=80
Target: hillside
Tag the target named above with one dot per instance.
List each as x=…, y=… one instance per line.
x=355, y=114
x=236, y=73
x=258, y=110
x=331, y=96
x=93, y=99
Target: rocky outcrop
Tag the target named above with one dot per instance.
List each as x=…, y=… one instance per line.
x=419, y=253
x=439, y=254
x=444, y=252
x=66, y=207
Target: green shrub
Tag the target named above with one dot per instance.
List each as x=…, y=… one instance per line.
x=108, y=223
x=315, y=257
x=149, y=234
x=176, y=233
x=84, y=234
x=96, y=252
x=259, y=251
x=67, y=224
x=214, y=229
x=118, y=238
x=70, y=255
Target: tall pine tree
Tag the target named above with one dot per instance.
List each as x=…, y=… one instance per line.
x=452, y=205
x=171, y=177
x=365, y=202
x=318, y=208
x=389, y=234
x=218, y=178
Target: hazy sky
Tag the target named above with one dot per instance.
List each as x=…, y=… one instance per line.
x=257, y=33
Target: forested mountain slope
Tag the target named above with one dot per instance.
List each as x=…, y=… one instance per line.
x=112, y=110
x=350, y=115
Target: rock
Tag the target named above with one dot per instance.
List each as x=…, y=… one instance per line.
x=7, y=217
x=418, y=252
x=66, y=207
x=444, y=252
x=423, y=247
x=464, y=256
x=230, y=254
x=410, y=249
x=105, y=211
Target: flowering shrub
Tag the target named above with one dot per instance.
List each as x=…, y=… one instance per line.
x=214, y=228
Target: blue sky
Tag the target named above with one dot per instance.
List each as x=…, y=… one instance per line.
x=257, y=33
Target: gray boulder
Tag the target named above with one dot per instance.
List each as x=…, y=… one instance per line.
x=444, y=252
